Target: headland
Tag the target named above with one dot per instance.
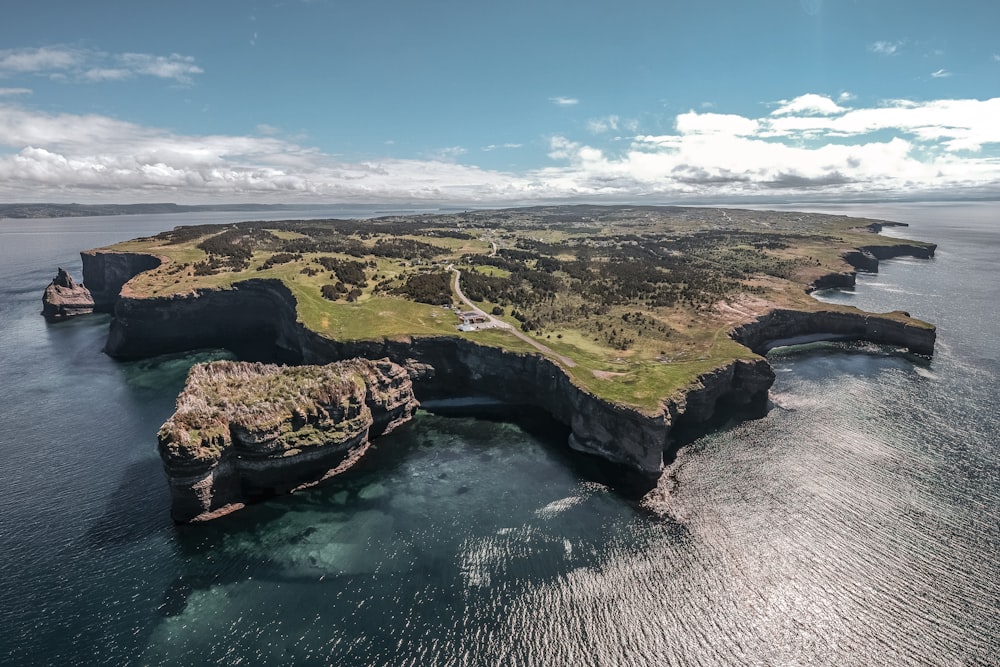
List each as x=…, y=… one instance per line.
x=626, y=323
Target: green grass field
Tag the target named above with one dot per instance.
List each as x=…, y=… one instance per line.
x=641, y=299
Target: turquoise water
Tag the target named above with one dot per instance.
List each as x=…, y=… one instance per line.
x=857, y=523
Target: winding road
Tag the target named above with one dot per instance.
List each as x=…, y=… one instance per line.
x=500, y=324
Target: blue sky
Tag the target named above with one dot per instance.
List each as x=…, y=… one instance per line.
x=491, y=103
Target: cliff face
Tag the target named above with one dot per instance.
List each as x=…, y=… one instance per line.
x=616, y=433
x=253, y=318
x=64, y=298
x=920, y=251
x=866, y=258
x=247, y=430
x=785, y=326
x=105, y=273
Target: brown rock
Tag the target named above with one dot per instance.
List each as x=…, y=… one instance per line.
x=64, y=298
x=243, y=431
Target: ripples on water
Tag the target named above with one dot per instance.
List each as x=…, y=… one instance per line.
x=857, y=523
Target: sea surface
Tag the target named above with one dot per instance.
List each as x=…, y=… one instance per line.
x=858, y=523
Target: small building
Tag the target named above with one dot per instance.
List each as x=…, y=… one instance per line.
x=472, y=317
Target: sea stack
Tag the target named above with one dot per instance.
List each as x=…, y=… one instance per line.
x=64, y=298
x=244, y=431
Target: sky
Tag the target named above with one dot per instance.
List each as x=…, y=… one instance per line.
x=487, y=103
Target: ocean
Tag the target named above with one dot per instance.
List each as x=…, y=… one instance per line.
x=857, y=523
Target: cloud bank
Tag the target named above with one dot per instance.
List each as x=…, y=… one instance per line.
x=808, y=147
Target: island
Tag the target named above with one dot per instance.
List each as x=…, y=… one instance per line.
x=632, y=325
x=64, y=298
x=244, y=431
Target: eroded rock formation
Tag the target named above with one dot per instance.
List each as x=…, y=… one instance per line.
x=245, y=430
x=64, y=298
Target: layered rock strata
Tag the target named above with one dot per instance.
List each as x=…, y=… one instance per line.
x=243, y=431
x=64, y=298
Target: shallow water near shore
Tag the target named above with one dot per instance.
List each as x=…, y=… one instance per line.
x=857, y=523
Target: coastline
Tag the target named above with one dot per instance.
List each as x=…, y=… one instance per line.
x=257, y=317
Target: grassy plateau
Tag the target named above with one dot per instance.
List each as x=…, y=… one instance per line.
x=639, y=299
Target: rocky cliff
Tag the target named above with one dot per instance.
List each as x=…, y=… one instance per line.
x=255, y=319
x=866, y=258
x=783, y=327
x=105, y=273
x=64, y=298
x=243, y=430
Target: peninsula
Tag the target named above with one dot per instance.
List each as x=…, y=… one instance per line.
x=626, y=323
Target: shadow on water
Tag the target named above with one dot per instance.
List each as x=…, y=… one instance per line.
x=175, y=598
x=419, y=496
x=136, y=509
x=554, y=436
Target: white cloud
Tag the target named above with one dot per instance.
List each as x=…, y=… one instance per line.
x=899, y=147
x=44, y=59
x=846, y=96
x=93, y=157
x=106, y=74
x=175, y=66
x=996, y=57
x=941, y=74
x=693, y=122
x=809, y=104
x=885, y=48
x=449, y=153
x=14, y=91
x=955, y=124
x=718, y=155
x=493, y=147
x=69, y=63
x=612, y=123
x=564, y=101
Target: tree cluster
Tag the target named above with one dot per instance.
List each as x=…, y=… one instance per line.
x=403, y=248
x=232, y=249
x=279, y=258
x=433, y=288
x=348, y=271
x=334, y=292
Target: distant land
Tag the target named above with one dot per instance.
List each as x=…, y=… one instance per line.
x=84, y=210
